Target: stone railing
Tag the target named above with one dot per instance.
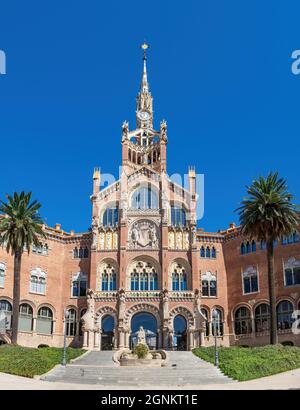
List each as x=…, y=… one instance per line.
x=143, y=294
x=109, y=190
x=106, y=295
x=185, y=295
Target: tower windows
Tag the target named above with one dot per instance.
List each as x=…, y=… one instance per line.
x=144, y=198
x=288, y=240
x=108, y=278
x=110, y=217
x=178, y=217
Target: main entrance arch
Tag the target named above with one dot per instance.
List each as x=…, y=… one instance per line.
x=107, y=337
x=180, y=333
x=148, y=316
x=149, y=324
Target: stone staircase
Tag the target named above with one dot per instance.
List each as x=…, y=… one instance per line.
x=97, y=368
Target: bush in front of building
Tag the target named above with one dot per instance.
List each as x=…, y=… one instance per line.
x=141, y=351
x=252, y=363
x=28, y=362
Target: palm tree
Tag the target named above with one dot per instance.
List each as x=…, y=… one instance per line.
x=20, y=228
x=267, y=214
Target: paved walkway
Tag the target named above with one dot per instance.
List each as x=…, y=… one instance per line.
x=181, y=375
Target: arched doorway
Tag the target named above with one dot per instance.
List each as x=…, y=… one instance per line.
x=180, y=333
x=149, y=323
x=107, y=337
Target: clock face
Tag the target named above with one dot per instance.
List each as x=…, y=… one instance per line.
x=144, y=115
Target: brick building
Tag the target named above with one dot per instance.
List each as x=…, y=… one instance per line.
x=144, y=263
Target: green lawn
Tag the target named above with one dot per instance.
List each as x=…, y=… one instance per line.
x=252, y=363
x=27, y=362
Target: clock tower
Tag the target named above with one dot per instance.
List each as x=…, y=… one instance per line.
x=144, y=146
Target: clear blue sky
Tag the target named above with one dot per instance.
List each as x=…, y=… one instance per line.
x=220, y=73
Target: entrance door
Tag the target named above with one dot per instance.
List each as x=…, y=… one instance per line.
x=149, y=323
x=180, y=333
x=107, y=337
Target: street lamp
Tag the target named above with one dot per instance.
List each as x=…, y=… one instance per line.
x=64, y=359
x=216, y=318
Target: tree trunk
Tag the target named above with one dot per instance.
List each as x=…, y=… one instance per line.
x=272, y=295
x=16, y=296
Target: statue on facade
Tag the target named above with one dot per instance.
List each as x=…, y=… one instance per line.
x=122, y=304
x=125, y=131
x=141, y=336
x=163, y=130
x=135, y=234
x=153, y=235
x=165, y=300
x=88, y=318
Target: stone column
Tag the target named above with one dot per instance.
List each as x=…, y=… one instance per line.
x=91, y=340
x=160, y=338
x=191, y=339
x=97, y=337
x=85, y=339
x=121, y=338
x=34, y=324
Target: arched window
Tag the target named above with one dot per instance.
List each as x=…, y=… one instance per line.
x=143, y=277
x=2, y=275
x=110, y=217
x=243, y=322
x=178, y=216
x=202, y=252
x=250, y=280
x=248, y=247
x=207, y=252
x=5, y=314
x=82, y=313
x=108, y=278
x=86, y=252
x=38, y=281
x=209, y=285
x=71, y=322
x=153, y=281
x=243, y=249
x=253, y=246
x=285, y=311
x=263, y=245
x=44, y=323
x=75, y=253
x=262, y=318
x=179, y=279
x=217, y=325
x=292, y=272
x=144, y=198
x=25, y=318
x=205, y=314
x=79, y=285
x=213, y=253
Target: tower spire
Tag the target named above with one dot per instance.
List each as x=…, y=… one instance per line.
x=145, y=84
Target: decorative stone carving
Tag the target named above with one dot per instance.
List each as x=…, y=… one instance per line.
x=163, y=130
x=165, y=299
x=122, y=305
x=141, y=336
x=108, y=240
x=89, y=317
x=143, y=234
x=125, y=131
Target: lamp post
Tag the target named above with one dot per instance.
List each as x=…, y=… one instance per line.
x=215, y=315
x=64, y=359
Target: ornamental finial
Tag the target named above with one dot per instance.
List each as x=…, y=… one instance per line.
x=145, y=46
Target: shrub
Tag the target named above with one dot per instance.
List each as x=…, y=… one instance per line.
x=141, y=351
